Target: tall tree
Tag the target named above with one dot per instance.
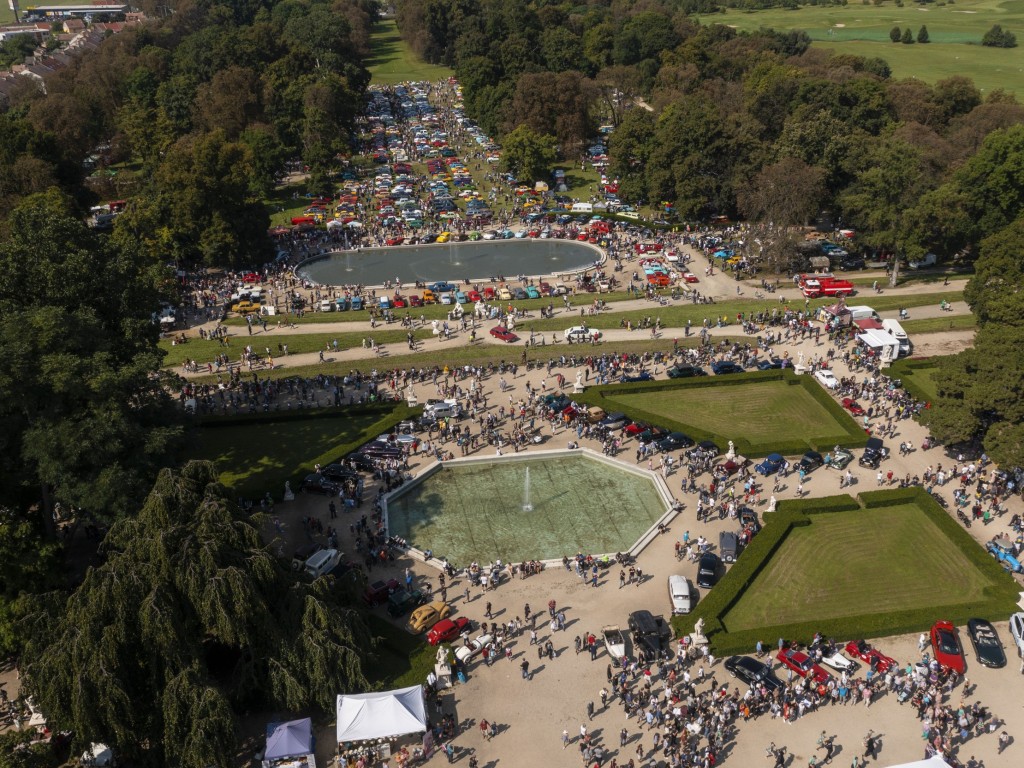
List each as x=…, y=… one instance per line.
x=787, y=192
x=189, y=622
x=528, y=155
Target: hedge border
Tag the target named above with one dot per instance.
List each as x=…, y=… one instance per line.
x=392, y=413
x=1000, y=596
x=850, y=436
x=273, y=417
x=904, y=371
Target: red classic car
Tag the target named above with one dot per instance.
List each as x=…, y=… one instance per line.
x=447, y=630
x=946, y=644
x=504, y=334
x=852, y=406
x=802, y=665
x=874, y=658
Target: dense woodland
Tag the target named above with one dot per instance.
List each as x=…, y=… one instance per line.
x=199, y=113
x=764, y=127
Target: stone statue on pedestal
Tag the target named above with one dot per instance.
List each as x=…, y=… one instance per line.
x=288, y=495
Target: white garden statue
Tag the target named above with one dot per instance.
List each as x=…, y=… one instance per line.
x=288, y=495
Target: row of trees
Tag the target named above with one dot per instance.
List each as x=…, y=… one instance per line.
x=188, y=620
x=907, y=36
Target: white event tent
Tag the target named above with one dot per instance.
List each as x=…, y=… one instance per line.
x=381, y=715
x=932, y=762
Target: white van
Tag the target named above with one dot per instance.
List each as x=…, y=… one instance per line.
x=863, y=313
x=582, y=208
x=894, y=329
x=324, y=561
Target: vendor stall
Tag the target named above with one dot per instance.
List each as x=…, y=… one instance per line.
x=290, y=745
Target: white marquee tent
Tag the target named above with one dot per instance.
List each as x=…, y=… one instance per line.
x=381, y=715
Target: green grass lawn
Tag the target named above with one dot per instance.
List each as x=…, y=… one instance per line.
x=204, y=351
x=284, y=206
x=260, y=457
x=391, y=61
x=955, y=31
x=918, y=377
x=883, y=560
x=938, y=324
x=478, y=354
x=760, y=411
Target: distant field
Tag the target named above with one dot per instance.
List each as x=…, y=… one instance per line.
x=391, y=61
x=7, y=15
x=955, y=31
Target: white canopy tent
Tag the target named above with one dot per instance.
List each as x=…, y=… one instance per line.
x=932, y=762
x=381, y=715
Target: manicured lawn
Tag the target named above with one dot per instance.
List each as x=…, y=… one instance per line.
x=955, y=31
x=883, y=560
x=284, y=205
x=937, y=324
x=256, y=458
x=676, y=313
x=480, y=354
x=918, y=377
x=759, y=411
x=203, y=351
x=401, y=659
x=391, y=61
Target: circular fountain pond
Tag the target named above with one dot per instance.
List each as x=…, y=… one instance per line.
x=476, y=261
x=482, y=509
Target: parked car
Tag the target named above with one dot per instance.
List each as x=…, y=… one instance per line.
x=874, y=452
x=753, y=672
x=852, y=406
x=724, y=367
x=402, y=601
x=581, y=334
x=428, y=615
x=674, y=441
x=827, y=379
x=378, y=592
x=768, y=364
x=338, y=472
x=651, y=435
x=641, y=376
x=987, y=647
x=685, y=371
x=771, y=464
x=504, y=334
x=473, y=648
x=447, y=630
x=810, y=461
x=728, y=546
x=947, y=648
x=1001, y=548
x=1017, y=632
x=838, y=662
x=874, y=658
x=318, y=483
x=681, y=594
x=616, y=420
x=708, y=570
x=651, y=632
x=803, y=665
x=841, y=459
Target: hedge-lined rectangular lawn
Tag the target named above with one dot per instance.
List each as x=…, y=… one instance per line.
x=260, y=456
x=881, y=560
x=760, y=411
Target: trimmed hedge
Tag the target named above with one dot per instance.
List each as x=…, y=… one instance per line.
x=851, y=436
x=1000, y=596
x=904, y=371
x=327, y=412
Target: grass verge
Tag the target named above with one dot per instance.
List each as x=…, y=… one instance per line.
x=391, y=61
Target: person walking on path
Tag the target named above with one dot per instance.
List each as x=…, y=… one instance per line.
x=565, y=738
x=870, y=746
x=525, y=667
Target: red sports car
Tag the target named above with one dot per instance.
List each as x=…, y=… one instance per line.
x=398, y=302
x=636, y=428
x=852, y=406
x=874, y=658
x=802, y=664
x=690, y=277
x=395, y=240
x=504, y=334
x=946, y=644
x=474, y=296
x=447, y=630
x=251, y=277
